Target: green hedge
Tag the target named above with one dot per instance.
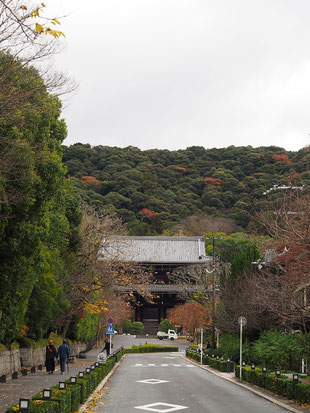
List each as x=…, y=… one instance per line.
x=62, y=397
x=150, y=348
x=302, y=393
x=37, y=406
x=76, y=398
x=221, y=365
x=280, y=385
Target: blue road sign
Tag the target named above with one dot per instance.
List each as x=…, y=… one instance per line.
x=110, y=330
x=110, y=320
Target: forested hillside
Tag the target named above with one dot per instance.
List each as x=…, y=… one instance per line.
x=153, y=190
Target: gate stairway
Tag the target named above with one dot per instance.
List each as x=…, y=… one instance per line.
x=151, y=327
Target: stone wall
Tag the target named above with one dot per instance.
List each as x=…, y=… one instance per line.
x=11, y=361
x=30, y=357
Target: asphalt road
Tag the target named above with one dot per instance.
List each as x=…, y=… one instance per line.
x=165, y=382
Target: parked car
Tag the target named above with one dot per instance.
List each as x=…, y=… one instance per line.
x=171, y=335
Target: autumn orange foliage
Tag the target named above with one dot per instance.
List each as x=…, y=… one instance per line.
x=24, y=331
x=180, y=169
x=190, y=315
x=294, y=176
x=148, y=213
x=89, y=180
x=281, y=158
x=213, y=181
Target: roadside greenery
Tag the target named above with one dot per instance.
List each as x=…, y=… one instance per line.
x=133, y=327
x=275, y=349
x=166, y=325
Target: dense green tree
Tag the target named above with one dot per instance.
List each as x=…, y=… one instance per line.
x=38, y=220
x=224, y=182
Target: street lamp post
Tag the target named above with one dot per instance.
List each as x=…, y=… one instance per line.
x=212, y=295
x=242, y=322
x=201, y=340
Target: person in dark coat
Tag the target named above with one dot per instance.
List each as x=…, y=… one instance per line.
x=106, y=346
x=63, y=354
x=50, y=355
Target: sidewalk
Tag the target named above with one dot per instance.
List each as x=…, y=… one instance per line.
x=33, y=383
x=290, y=405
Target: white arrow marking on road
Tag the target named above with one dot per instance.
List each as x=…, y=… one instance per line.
x=171, y=407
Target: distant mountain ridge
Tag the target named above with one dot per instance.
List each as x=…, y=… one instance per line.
x=155, y=189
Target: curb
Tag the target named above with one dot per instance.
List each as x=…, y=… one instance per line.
x=253, y=390
x=84, y=406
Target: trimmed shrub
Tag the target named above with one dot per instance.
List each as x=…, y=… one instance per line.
x=37, y=406
x=150, y=348
x=62, y=397
x=302, y=394
x=83, y=386
x=165, y=325
x=75, y=397
x=280, y=385
x=221, y=365
x=135, y=327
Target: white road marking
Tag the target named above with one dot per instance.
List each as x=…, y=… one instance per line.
x=153, y=381
x=171, y=407
x=162, y=365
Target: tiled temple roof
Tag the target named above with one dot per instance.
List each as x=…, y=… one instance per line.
x=183, y=250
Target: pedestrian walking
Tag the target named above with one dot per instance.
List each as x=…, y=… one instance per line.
x=51, y=354
x=63, y=354
x=106, y=347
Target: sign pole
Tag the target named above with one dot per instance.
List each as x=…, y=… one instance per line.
x=110, y=331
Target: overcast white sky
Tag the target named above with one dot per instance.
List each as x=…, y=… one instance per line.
x=176, y=73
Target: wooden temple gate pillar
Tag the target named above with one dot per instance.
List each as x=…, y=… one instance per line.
x=138, y=315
